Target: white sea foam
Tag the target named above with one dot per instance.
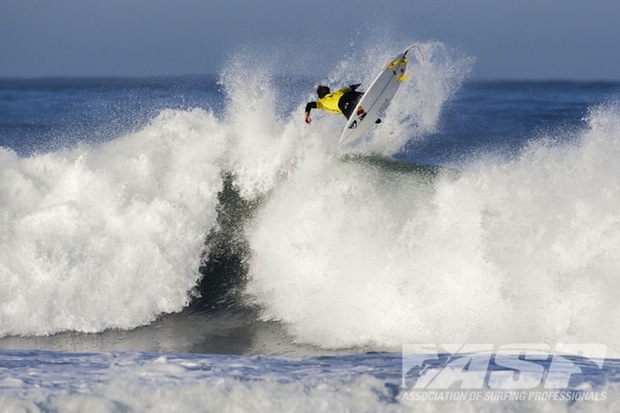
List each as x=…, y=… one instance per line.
x=141, y=383
x=521, y=250
x=109, y=236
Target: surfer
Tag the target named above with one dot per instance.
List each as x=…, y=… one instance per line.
x=341, y=101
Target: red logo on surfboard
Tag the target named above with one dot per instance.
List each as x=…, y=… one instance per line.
x=360, y=111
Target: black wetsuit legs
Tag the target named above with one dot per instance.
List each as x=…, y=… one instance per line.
x=348, y=101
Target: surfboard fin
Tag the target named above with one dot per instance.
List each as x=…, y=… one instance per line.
x=398, y=62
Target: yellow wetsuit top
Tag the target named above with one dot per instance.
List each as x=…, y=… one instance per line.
x=329, y=103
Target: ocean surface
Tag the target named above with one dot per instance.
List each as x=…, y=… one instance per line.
x=190, y=244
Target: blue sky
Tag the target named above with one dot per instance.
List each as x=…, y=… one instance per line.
x=510, y=39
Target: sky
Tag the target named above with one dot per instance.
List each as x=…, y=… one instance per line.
x=509, y=39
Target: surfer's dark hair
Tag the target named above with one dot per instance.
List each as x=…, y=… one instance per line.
x=322, y=91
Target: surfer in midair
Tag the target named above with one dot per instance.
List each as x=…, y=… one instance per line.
x=341, y=101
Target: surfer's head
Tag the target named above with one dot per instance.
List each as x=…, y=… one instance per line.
x=322, y=91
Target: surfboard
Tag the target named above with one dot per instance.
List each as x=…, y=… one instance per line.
x=376, y=99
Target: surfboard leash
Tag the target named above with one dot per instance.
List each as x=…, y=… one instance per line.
x=415, y=46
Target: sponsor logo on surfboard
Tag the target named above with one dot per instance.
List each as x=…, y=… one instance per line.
x=384, y=107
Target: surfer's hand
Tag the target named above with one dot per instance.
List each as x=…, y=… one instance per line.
x=308, y=118
x=354, y=87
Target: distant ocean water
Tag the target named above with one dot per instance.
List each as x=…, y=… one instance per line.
x=188, y=243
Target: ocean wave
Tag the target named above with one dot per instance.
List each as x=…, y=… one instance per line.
x=108, y=236
x=340, y=246
x=520, y=250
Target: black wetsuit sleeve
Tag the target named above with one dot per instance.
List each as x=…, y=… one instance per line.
x=310, y=105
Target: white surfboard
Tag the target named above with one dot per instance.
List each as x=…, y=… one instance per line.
x=377, y=98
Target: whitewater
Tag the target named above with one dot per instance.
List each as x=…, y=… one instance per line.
x=162, y=254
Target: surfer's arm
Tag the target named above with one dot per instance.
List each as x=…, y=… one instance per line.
x=310, y=106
